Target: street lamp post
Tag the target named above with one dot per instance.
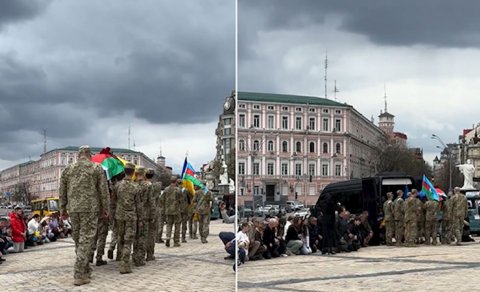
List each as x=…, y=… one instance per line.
x=449, y=152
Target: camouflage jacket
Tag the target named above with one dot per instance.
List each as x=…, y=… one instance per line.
x=420, y=210
x=431, y=208
x=447, y=209
x=388, y=210
x=399, y=209
x=411, y=209
x=459, y=206
x=83, y=188
x=202, y=202
x=184, y=201
x=129, y=202
x=170, y=200
x=155, y=195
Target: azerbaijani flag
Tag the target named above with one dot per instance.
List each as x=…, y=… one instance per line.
x=189, y=179
x=429, y=190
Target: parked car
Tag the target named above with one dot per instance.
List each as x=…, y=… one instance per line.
x=295, y=205
x=304, y=212
x=245, y=212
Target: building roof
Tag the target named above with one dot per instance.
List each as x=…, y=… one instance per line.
x=386, y=114
x=95, y=149
x=288, y=98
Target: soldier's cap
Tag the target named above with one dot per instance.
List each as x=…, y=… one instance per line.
x=140, y=170
x=84, y=149
x=150, y=171
x=129, y=165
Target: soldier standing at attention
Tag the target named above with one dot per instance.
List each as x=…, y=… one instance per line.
x=128, y=204
x=411, y=208
x=113, y=224
x=459, y=212
x=399, y=217
x=160, y=217
x=420, y=221
x=447, y=219
x=99, y=240
x=151, y=214
x=192, y=218
x=138, y=256
x=431, y=207
x=388, y=211
x=184, y=204
x=203, y=202
x=171, y=205
x=84, y=194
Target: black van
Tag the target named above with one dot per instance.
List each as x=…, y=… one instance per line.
x=365, y=194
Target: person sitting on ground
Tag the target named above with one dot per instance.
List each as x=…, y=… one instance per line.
x=243, y=242
x=55, y=228
x=66, y=225
x=287, y=225
x=305, y=236
x=5, y=240
x=33, y=234
x=44, y=230
x=254, y=245
x=315, y=234
x=344, y=236
x=294, y=243
x=365, y=229
x=354, y=228
x=259, y=229
x=269, y=239
x=19, y=229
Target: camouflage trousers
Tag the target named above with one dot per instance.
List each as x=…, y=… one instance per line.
x=457, y=227
x=421, y=228
x=389, y=230
x=184, y=222
x=160, y=223
x=138, y=255
x=399, y=231
x=410, y=231
x=84, y=228
x=171, y=221
x=192, y=227
x=203, y=225
x=126, y=234
x=446, y=231
x=100, y=238
x=113, y=227
x=151, y=232
x=431, y=231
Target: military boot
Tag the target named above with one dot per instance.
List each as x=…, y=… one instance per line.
x=81, y=281
x=150, y=258
x=110, y=254
x=176, y=244
x=184, y=240
x=204, y=240
x=167, y=243
x=125, y=269
x=100, y=262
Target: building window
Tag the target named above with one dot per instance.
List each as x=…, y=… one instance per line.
x=325, y=147
x=256, y=145
x=312, y=124
x=241, y=168
x=325, y=111
x=241, y=105
x=298, y=123
x=241, y=145
x=338, y=112
x=312, y=147
x=227, y=131
x=271, y=107
x=298, y=146
x=325, y=126
x=271, y=123
x=256, y=168
x=284, y=108
x=270, y=145
x=256, y=190
x=284, y=146
x=256, y=121
x=285, y=122
x=284, y=168
x=311, y=169
x=227, y=121
x=135, y=161
x=256, y=106
x=298, y=109
x=324, y=169
x=241, y=121
x=338, y=170
x=338, y=125
x=298, y=169
x=338, y=148
x=270, y=168
x=312, y=110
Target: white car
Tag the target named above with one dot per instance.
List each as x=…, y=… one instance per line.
x=295, y=205
x=304, y=212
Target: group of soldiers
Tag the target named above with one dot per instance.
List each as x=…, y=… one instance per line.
x=136, y=209
x=412, y=221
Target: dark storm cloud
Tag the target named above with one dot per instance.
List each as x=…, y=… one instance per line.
x=19, y=10
x=441, y=23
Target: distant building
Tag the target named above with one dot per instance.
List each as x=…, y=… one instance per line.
x=291, y=147
x=43, y=176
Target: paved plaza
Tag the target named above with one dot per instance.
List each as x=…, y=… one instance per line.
x=423, y=268
x=191, y=267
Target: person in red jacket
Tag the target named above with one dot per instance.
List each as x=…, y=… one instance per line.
x=19, y=229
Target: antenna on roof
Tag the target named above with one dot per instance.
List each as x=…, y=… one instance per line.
x=385, y=96
x=326, y=66
x=335, y=90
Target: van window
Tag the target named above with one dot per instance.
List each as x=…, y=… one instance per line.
x=396, y=181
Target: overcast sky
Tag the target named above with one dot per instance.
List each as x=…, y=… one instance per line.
x=427, y=53
x=87, y=70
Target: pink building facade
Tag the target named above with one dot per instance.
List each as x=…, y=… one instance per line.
x=291, y=147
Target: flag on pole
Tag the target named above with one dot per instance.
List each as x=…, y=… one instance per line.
x=428, y=189
x=189, y=179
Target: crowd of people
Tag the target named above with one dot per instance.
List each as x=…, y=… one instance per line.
x=135, y=206
x=19, y=231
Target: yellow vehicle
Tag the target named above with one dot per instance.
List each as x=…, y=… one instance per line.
x=45, y=207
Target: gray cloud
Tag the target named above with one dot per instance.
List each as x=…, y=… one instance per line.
x=20, y=10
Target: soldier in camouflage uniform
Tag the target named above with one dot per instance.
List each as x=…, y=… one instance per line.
x=184, y=204
x=431, y=207
x=151, y=214
x=459, y=212
x=99, y=240
x=113, y=225
x=129, y=205
x=411, y=211
x=161, y=219
x=420, y=221
x=84, y=194
x=170, y=202
x=192, y=218
x=399, y=217
x=388, y=211
x=203, y=202
x=138, y=256
x=447, y=219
